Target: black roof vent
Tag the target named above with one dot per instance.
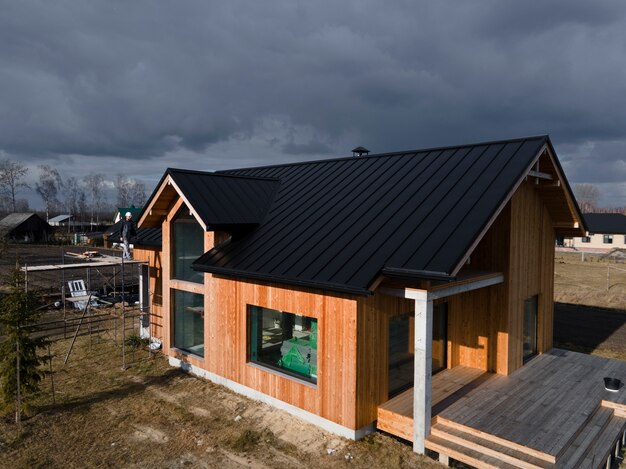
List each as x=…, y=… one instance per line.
x=360, y=151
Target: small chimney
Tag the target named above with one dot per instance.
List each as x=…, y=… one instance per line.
x=360, y=151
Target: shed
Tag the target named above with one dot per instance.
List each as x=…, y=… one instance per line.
x=24, y=227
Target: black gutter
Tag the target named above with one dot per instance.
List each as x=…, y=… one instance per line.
x=398, y=272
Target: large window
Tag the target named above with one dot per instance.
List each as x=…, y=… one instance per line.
x=187, y=246
x=189, y=322
x=283, y=341
x=530, y=327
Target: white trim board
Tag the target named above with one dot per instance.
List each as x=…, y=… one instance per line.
x=259, y=396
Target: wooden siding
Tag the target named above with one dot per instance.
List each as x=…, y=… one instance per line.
x=373, y=315
x=155, y=285
x=226, y=348
x=486, y=326
x=531, y=272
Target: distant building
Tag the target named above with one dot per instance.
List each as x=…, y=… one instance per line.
x=60, y=220
x=607, y=231
x=25, y=227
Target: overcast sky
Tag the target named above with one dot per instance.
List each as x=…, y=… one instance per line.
x=139, y=86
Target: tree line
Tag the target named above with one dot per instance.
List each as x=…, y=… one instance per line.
x=85, y=199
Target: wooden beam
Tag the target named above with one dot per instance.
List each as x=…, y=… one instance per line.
x=540, y=175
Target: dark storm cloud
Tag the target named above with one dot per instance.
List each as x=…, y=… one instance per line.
x=221, y=84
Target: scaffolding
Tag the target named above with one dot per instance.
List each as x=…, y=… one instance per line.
x=112, y=294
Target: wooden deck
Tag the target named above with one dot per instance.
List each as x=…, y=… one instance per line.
x=553, y=412
x=396, y=415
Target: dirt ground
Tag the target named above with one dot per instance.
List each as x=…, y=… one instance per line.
x=152, y=415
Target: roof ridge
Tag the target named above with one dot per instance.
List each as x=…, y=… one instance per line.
x=219, y=174
x=387, y=154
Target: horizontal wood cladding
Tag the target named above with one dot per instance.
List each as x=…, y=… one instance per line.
x=153, y=257
x=226, y=346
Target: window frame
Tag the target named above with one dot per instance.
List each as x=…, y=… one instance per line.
x=535, y=333
x=179, y=219
x=607, y=239
x=311, y=380
x=173, y=315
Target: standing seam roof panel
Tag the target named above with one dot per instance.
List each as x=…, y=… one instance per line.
x=425, y=201
x=321, y=228
x=359, y=234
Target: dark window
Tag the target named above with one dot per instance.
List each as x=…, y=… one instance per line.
x=283, y=341
x=189, y=322
x=530, y=327
x=187, y=246
x=401, y=347
x=607, y=239
x=586, y=239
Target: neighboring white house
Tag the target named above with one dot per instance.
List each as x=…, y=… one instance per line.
x=60, y=220
x=607, y=231
x=67, y=222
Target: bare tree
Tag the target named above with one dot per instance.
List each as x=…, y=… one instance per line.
x=129, y=191
x=48, y=187
x=587, y=196
x=95, y=188
x=12, y=174
x=73, y=194
x=138, y=193
x=122, y=190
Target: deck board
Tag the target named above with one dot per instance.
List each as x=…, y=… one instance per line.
x=396, y=415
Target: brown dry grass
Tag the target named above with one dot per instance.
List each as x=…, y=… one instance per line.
x=152, y=415
x=595, y=282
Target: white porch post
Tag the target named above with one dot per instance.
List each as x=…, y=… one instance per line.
x=422, y=384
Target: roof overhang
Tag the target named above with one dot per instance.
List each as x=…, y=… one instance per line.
x=548, y=175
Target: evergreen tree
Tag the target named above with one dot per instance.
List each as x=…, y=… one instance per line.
x=18, y=313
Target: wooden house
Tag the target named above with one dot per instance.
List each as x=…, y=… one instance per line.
x=409, y=291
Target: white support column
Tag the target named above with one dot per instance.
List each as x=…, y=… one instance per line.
x=422, y=385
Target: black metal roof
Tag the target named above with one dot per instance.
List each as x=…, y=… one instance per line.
x=222, y=200
x=605, y=223
x=339, y=224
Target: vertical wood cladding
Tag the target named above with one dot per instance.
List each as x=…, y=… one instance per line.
x=486, y=325
x=372, y=369
x=531, y=270
x=226, y=345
